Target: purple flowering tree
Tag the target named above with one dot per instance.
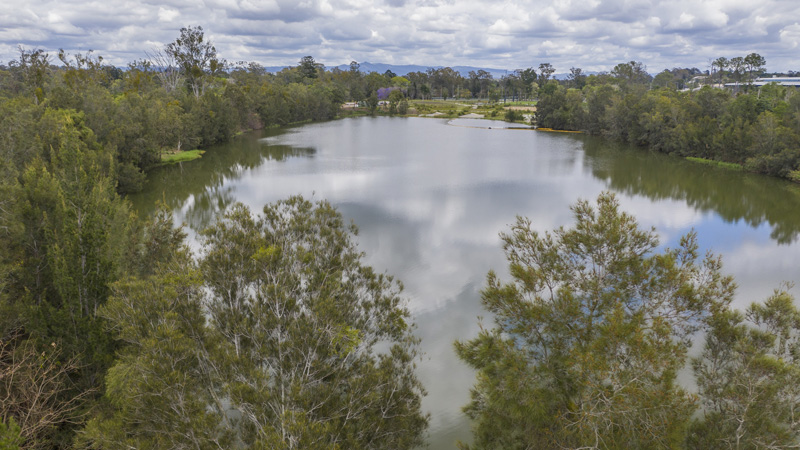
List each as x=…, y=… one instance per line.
x=383, y=93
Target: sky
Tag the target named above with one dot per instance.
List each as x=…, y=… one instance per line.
x=594, y=35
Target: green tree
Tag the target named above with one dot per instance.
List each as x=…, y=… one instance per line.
x=69, y=236
x=395, y=97
x=589, y=336
x=196, y=58
x=664, y=79
x=737, y=66
x=425, y=91
x=755, y=65
x=402, y=107
x=31, y=70
x=372, y=102
x=545, y=71
x=721, y=64
x=316, y=349
x=633, y=72
x=576, y=77
x=159, y=391
x=280, y=338
x=10, y=438
x=748, y=378
x=512, y=116
x=309, y=68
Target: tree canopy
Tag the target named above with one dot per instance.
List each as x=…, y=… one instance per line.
x=302, y=345
x=589, y=335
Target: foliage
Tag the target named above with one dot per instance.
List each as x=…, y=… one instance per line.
x=10, y=438
x=196, y=58
x=64, y=237
x=158, y=391
x=589, y=336
x=512, y=116
x=372, y=102
x=68, y=243
x=395, y=97
x=749, y=378
x=757, y=130
x=309, y=68
x=299, y=320
x=280, y=338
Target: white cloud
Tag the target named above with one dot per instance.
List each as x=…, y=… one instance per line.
x=167, y=14
x=593, y=34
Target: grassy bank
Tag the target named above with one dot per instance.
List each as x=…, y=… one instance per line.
x=172, y=158
x=724, y=165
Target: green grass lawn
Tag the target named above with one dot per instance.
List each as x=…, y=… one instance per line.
x=523, y=103
x=172, y=158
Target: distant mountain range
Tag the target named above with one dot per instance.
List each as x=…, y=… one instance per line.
x=401, y=70
x=408, y=68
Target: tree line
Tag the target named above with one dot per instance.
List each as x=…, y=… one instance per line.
x=185, y=96
x=179, y=98
x=757, y=128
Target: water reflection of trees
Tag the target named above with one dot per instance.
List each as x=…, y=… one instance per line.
x=755, y=199
x=202, y=188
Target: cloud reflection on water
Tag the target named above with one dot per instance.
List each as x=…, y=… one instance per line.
x=430, y=200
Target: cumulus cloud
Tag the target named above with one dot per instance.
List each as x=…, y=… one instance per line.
x=592, y=34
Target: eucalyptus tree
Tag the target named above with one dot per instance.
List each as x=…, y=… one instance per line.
x=721, y=64
x=633, y=72
x=737, y=66
x=31, y=70
x=545, y=71
x=755, y=64
x=196, y=57
x=167, y=68
x=589, y=335
x=576, y=77
x=316, y=349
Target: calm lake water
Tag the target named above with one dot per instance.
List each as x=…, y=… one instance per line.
x=430, y=198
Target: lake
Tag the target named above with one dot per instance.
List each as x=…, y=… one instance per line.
x=430, y=197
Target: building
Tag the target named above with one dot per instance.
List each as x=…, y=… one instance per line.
x=783, y=81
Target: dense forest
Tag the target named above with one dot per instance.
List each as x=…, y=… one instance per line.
x=276, y=335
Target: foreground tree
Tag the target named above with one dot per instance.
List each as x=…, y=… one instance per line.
x=299, y=320
x=749, y=378
x=159, y=393
x=35, y=397
x=280, y=338
x=589, y=335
